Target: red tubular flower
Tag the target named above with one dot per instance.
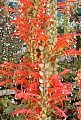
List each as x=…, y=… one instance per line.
x=32, y=19
x=23, y=8
x=45, y=2
x=48, y=17
x=31, y=119
x=60, y=111
x=39, y=14
x=71, y=52
x=44, y=37
x=22, y=110
x=71, y=1
x=11, y=64
x=60, y=3
x=6, y=81
x=38, y=110
x=39, y=32
x=61, y=10
x=26, y=59
x=37, y=24
x=65, y=71
x=77, y=103
x=9, y=67
x=37, y=39
x=71, y=6
x=79, y=117
x=64, y=42
x=27, y=3
x=43, y=9
x=15, y=89
x=52, y=59
x=13, y=10
x=21, y=80
x=22, y=32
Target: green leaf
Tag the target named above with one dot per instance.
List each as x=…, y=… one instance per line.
x=9, y=109
x=4, y=102
x=21, y=106
x=12, y=118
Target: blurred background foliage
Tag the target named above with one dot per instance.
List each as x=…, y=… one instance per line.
x=8, y=46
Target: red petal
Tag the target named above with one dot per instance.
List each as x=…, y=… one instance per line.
x=13, y=10
x=31, y=119
x=71, y=1
x=53, y=59
x=65, y=71
x=61, y=10
x=38, y=109
x=79, y=116
x=60, y=111
x=15, y=89
x=77, y=103
x=26, y=59
x=6, y=81
x=24, y=111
